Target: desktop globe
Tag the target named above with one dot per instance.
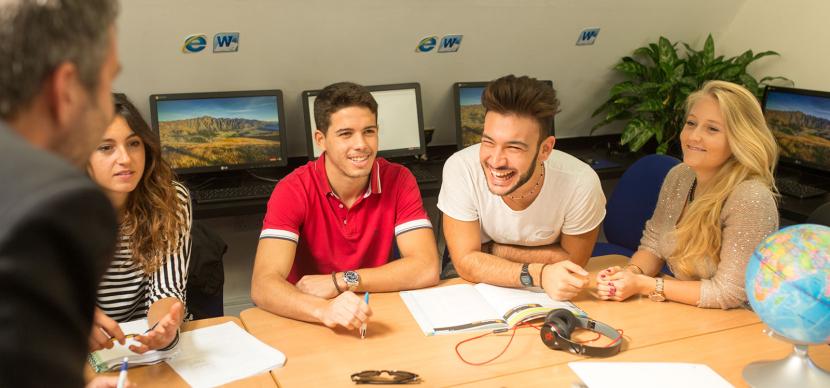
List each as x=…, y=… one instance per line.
x=788, y=286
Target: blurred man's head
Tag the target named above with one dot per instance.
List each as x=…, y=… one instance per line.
x=58, y=59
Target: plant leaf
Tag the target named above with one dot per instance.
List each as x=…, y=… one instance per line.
x=650, y=106
x=630, y=66
x=764, y=54
x=678, y=72
x=668, y=55
x=708, y=50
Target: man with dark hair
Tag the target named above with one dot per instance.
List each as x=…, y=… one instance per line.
x=57, y=62
x=331, y=224
x=518, y=213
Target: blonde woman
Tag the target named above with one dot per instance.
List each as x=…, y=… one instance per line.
x=713, y=209
x=148, y=274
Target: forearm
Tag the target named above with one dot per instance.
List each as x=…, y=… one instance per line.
x=159, y=309
x=646, y=261
x=541, y=254
x=276, y=295
x=480, y=267
x=406, y=273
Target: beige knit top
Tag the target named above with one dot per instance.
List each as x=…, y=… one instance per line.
x=748, y=216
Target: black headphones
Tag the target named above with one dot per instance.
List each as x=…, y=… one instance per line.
x=560, y=323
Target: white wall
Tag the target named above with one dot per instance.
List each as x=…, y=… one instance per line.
x=796, y=29
x=296, y=45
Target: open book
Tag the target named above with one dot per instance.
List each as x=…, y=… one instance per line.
x=106, y=360
x=480, y=307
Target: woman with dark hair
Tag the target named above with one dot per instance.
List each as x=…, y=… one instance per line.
x=148, y=274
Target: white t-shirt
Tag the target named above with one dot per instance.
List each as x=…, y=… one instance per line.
x=571, y=201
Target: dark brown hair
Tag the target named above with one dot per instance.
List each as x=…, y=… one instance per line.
x=152, y=216
x=523, y=96
x=338, y=96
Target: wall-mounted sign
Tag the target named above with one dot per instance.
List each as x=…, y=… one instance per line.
x=225, y=42
x=447, y=44
x=588, y=36
x=194, y=43
x=426, y=44
x=450, y=43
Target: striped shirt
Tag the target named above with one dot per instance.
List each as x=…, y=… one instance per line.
x=126, y=291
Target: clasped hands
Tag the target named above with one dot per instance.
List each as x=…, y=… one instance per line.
x=616, y=283
x=347, y=309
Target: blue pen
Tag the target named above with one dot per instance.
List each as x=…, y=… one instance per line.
x=363, y=326
x=122, y=377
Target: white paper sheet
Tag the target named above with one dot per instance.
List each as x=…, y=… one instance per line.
x=647, y=375
x=221, y=354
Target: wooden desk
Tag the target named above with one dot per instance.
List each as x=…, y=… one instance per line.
x=727, y=352
x=319, y=356
x=162, y=375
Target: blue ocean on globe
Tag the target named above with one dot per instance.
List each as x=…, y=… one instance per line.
x=788, y=282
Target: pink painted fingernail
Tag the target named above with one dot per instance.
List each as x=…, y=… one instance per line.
x=610, y=283
x=602, y=276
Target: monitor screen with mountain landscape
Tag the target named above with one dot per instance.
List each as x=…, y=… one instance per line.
x=202, y=132
x=800, y=121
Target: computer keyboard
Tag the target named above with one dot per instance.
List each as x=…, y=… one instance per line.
x=234, y=193
x=793, y=188
x=422, y=174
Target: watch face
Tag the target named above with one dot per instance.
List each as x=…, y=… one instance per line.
x=526, y=280
x=351, y=277
x=656, y=297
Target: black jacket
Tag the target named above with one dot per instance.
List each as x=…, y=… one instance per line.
x=57, y=235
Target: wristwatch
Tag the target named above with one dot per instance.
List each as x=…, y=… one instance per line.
x=524, y=276
x=657, y=295
x=352, y=280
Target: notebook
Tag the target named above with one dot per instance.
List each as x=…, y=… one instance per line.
x=107, y=360
x=220, y=354
x=480, y=307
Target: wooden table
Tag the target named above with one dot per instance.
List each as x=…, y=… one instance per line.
x=319, y=356
x=162, y=375
x=727, y=352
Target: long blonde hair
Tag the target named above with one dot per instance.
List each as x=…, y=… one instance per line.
x=754, y=155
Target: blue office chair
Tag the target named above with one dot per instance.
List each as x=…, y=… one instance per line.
x=632, y=203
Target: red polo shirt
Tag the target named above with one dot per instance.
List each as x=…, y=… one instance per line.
x=331, y=237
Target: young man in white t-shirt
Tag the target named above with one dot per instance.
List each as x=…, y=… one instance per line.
x=518, y=213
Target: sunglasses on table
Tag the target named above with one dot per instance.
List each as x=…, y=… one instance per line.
x=385, y=377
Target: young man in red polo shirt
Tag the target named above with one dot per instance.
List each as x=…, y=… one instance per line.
x=331, y=224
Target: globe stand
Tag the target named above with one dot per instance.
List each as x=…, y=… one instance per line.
x=796, y=370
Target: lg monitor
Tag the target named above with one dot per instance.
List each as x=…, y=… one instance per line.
x=800, y=121
x=469, y=112
x=400, y=120
x=220, y=131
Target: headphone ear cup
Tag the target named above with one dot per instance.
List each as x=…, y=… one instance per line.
x=564, y=320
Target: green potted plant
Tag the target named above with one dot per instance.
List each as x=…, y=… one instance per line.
x=658, y=80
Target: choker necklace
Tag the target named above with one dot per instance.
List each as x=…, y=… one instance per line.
x=535, y=187
x=691, y=196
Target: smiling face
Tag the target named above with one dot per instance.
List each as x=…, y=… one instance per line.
x=703, y=138
x=350, y=143
x=117, y=164
x=510, y=151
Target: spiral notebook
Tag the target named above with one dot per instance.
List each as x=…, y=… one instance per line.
x=107, y=360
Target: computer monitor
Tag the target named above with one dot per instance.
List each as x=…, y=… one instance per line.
x=800, y=121
x=220, y=131
x=400, y=120
x=469, y=113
